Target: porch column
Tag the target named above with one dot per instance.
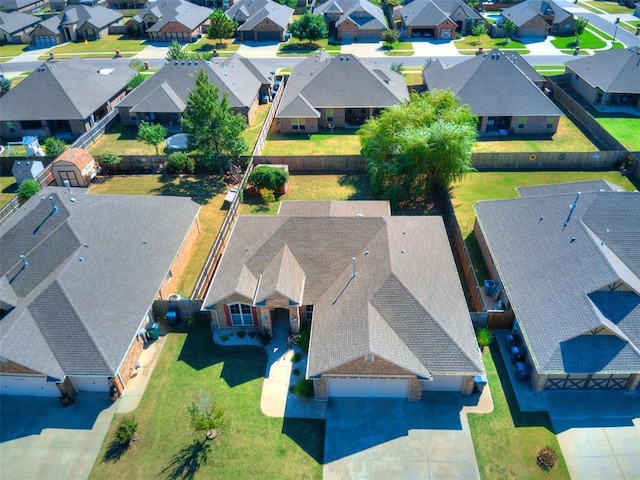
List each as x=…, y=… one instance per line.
x=633, y=382
x=605, y=98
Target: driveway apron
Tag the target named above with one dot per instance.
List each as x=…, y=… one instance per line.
x=398, y=439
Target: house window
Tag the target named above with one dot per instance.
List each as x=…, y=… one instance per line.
x=297, y=124
x=368, y=357
x=309, y=312
x=329, y=114
x=240, y=314
x=550, y=122
x=522, y=121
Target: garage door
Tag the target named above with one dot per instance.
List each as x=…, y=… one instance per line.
x=446, y=34
x=347, y=37
x=268, y=36
x=91, y=384
x=368, y=35
x=444, y=383
x=44, y=41
x=390, y=387
x=35, y=385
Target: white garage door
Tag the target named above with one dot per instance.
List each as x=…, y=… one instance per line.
x=444, y=383
x=35, y=385
x=91, y=384
x=390, y=387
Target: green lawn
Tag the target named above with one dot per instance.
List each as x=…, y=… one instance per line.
x=105, y=47
x=207, y=45
x=414, y=78
x=630, y=26
x=122, y=140
x=249, y=444
x=10, y=50
x=313, y=188
x=470, y=44
x=205, y=190
x=8, y=190
x=398, y=48
x=507, y=440
x=550, y=70
x=299, y=48
x=250, y=135
x=587, y=40
x=341, y=142
x=625, y=130
x=568, y=138
x=609, y=7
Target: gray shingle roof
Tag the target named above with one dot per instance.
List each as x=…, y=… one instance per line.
x=362, y=12
x=562, y=289
x=564, y=188
x=94, y=267
x=15, y=22
x=423, y=13
x=352, y=208
x=99, y=17
x=8, y=5
x=168, y=89
x=614, y=71
x=257, y=11
x=405, y=303
x=67, y=90
x=523, y=12
x=345, y=81
x=517, y=95
x=185, y=13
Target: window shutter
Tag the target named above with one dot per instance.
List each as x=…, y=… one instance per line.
x=227, y=314
x=256, y=320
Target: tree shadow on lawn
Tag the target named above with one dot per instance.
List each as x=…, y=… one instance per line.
x=13, y=188
x=361, y=185
x=201, y=188
x=300, y=47
x=241, y=364
x=520, y=418
x=115, y=451
x=185, y=464
x=308, y=434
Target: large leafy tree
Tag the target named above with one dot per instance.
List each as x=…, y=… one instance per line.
x=416, y=146
x=221, y=26
x=309, y=27
x=152, y=134
x=212, y=129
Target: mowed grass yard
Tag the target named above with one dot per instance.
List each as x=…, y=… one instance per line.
x=8, y=190
x=249, y=444
x=206, y=190
x=340, y=142
x=625, y=130
x=568, y=138
x=103, y=48
x=313, y=188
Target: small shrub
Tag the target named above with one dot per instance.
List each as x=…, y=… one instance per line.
x=302, y=339
x=271, y=178
x=136, y=80
x=267, y=196
x=242, y=334
x=28, y=189
x=292, y=389
x=265, y=338
x=224, y=337
x=478, y=30
x=303, y=388
x=484, y=337
x=296, y=371
x=252, y=333
x=126, y=428
x=109, y=159
x=54, y=147
x=205, y=413
x=547, y=458
x=180, y=162
x=296, y=357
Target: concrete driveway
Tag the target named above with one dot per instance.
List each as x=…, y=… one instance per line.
x=397, y=439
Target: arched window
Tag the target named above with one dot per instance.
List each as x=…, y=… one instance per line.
x=240, y=314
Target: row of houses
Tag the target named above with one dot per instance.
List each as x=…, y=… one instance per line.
x=321, y=93
x=267, y=20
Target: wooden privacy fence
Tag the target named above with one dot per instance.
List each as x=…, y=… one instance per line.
x=211, y=263
x=316, y=164
x=603, y=160
x=184, y=308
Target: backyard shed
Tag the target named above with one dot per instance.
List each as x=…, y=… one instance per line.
x=76, y=165
x=26, y=170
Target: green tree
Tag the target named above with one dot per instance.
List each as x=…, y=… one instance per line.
x=390, y=36
x=509, y=27
x=421, y=144
x=109, y=159
x=27, y=189
x=271, y=178
x=205, y=413
x=309, y=27
x=151, y=134
x=221, y=26
x=288, y=3
x=136, y=65
x=136, y=80
x=212, y=129
x=397, y=67
x=478, y=30
x=175, y=52
x=54, y=147
x=5, y=84
x=581, y=24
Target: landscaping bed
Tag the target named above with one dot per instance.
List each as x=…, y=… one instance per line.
x=249, y=444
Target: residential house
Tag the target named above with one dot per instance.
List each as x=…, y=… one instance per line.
x=25, y=6
x=438, y=19
x=567, y=257
x=15, y=27
x=502, y=89
x=80, y=273
x=381, y=293
x=62, y=99
x=608, y=80
x=169, y=20
x=75, y=23
x=163, y=97
x=325, y=92
x=352, y=20
x=261, y=20
x=539, y=18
